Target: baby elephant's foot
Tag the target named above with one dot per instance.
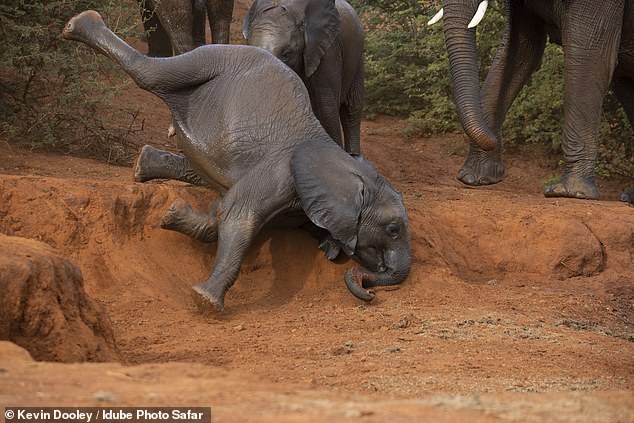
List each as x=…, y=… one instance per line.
x=330, y=247
x=628, y=195
x=177, y=214
x=149, y=164
x=482, y=168
x=205, y=297
x=573, y=187
x=153, y=163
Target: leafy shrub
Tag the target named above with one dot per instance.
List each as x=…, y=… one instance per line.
x=54, y=93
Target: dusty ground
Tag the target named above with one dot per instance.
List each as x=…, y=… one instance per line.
x=518, y=308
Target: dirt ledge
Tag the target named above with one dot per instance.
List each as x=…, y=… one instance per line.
x=43, y=306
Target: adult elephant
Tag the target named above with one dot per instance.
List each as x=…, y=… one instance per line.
x=598, y=42
x=178, y=26
x=322, y=41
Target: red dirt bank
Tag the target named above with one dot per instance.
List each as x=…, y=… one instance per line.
x=517, y=306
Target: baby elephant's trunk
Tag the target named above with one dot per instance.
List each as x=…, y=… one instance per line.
x=359, y=278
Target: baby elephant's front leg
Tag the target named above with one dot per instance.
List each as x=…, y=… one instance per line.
x=241, y=214
x=234, y=238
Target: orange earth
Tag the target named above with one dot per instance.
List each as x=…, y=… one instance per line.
x=518, y=308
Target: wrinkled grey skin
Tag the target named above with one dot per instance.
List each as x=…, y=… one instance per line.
x=245, y=124
x=322, y=41
x=178, y=26
x=598, y=42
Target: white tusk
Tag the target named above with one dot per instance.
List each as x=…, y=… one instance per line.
x=437, y=17
x=479, y=14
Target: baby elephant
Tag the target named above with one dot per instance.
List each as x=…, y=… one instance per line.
x=244, y=122
x=322, y=41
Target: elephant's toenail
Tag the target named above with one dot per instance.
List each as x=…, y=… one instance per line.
x=468, y=179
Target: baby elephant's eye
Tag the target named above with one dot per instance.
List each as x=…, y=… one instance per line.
x=393, y=230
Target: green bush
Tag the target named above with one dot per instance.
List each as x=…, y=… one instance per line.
x=407, y=74
x=56, y=94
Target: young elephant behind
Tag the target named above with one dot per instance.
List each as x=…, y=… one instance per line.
x=244, y=122
x=322, y=41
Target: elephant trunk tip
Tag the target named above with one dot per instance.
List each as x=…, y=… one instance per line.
x=354, y=282
x=482, y=137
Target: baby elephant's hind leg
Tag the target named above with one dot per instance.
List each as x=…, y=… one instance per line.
x=180, y=217
x=153, y=163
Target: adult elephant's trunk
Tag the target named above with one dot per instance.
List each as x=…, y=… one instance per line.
x=359, y=278
x=461, y=47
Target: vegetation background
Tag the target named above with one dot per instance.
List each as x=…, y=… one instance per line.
x=54, y=95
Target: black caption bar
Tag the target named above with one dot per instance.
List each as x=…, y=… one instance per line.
x=107, y=414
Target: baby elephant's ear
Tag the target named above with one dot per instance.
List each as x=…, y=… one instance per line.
x=330, y=188
x=321, y=28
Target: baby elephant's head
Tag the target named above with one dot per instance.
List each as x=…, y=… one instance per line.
x=298, y=32
x=361, y=210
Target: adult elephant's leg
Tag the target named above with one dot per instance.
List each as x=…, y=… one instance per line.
x=177, y=18
x=199, y=16
x=153, y=163
x=624, y=90
x=591, y=42
x=220, y=13
x=350, y=114
x=158, y=41
x=518, y=56
x=244, y=209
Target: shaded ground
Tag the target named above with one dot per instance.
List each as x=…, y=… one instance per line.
x=518, y=308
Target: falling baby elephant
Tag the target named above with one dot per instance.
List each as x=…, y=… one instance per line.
x=244, y=122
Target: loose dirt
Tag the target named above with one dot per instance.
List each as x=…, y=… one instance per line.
x=518, y=307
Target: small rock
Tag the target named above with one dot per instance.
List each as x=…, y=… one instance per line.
x=352, y=413
x=105, y=396
x=239, y=327
x=394, y=349
x=347, y=348
x=406, y=322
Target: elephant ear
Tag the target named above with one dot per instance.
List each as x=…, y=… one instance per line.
x=330, y=188
x=322, y=24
